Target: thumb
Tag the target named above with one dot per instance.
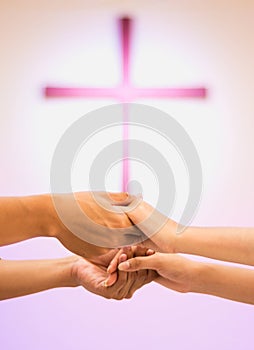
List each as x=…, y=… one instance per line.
x=123, y=199
x=139, y=212
x=149, y=220
x=140, y=263
x=111, y=280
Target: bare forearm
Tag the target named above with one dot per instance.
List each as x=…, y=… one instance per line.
x=20, y=278
x=22, y=218
x=227, y=244
x=226, y=282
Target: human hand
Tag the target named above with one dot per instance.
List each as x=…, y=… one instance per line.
x=93, y=274
x=88, y=221
x=127, y=253
x=160, y=230
x=175, y=272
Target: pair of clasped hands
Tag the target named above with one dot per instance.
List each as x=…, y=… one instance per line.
x=98, y=269
x=137, y=245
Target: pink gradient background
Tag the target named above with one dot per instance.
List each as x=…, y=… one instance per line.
x=76, y=43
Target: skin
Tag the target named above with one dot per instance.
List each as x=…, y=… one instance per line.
x=19, y=278
x=28, y=217
x=184, y=275
x=221, y=243
x=23, y=218
x=118, y=285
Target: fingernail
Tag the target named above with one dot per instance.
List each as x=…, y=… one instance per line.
x=124, y=266
x=150, y=252
x=122, y=258
x=105, y=283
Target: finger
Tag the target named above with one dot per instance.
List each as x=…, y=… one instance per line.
x=151, y=222
x=112, y=267
x=124, y=253
x=129, y=287
x=142, y=278
x=120, y=283
x=140, y=263
x=150, y=252
x=140, y=212
x=143, y=215
x=142, y=251
x=121, y=198
x=111, y=280
x=105, y=258
x=129, y=203
x=122, y=258
x=139, y=281
x=123, y=281
x=128, y=251
x=122, y=275
x=131, y=278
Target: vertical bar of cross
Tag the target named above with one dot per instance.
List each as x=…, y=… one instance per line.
x=125, y=31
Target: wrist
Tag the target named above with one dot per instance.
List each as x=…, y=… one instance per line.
x=200, y=277
x=73, y=263
x=181, y=239
x=77, y=264
x=63, y=270
x=40, y=214
x=173, y=243
x=51, y=223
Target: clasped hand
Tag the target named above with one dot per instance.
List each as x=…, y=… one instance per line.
x=93, y=274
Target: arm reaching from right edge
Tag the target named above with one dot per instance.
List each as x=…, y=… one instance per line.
x=184, y=275
x=221, y=243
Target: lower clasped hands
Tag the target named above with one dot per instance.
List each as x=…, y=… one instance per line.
x=94, y=274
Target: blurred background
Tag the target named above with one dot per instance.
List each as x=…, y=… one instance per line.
x=76, y=43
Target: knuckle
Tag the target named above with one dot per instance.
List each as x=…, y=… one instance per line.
x=106, y=296
x=122, y=221
x=143, y=277
x=129, y=296
x=121, y=280
x=135, y=263
x=125, y=221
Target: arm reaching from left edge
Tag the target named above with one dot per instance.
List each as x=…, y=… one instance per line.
x=22, y=218
x=19, y=278
x=184, y=275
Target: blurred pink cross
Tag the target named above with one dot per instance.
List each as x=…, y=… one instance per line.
x=125, y=92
